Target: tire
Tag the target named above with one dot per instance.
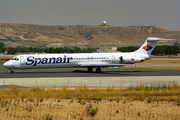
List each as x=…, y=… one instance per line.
x=90, y=70
x=98, y=70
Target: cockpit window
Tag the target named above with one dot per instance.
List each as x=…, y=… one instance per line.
x=15, y=58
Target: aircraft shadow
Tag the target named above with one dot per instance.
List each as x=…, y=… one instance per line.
x=83, y=71
x=77, y=73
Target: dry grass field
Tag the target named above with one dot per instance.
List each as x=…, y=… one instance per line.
x=172, y=68
x=139, y=102
x=162, y=61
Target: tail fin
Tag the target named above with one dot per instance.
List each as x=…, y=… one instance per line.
x=149, y=45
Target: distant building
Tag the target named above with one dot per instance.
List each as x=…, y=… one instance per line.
x=176, y=44
x=107, y=50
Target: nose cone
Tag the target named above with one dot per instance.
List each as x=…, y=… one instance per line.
x=6, y=65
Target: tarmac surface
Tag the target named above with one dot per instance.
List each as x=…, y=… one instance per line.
x=82, y=72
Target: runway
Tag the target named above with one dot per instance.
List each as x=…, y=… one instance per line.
x=82, y=72
x=74, y=77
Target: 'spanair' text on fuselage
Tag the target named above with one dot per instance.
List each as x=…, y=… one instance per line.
x=31, y=60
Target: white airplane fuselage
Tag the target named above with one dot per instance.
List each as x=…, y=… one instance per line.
x=32, y=61
x=88, y=60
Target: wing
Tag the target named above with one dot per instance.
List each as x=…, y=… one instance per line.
x=101, y=65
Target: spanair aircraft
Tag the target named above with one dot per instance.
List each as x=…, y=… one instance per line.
x=88, y=60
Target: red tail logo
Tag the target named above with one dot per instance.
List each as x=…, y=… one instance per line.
x=147, y=47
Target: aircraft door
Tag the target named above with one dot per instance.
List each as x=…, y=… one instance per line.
x=22, y=60
x=121, y=59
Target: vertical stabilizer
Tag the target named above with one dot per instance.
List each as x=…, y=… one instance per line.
x=149, y=45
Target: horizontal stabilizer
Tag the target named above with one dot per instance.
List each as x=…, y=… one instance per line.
x=157, y=39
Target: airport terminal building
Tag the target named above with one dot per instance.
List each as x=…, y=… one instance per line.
x=106, y=49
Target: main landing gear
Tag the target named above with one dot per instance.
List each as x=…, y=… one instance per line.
x=98, y=70
x=12, y=71
x=89, y=69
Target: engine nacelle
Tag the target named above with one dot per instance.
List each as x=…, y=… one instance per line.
x=130, y=60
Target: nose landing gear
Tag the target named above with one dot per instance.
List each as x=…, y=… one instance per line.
x=12, y=71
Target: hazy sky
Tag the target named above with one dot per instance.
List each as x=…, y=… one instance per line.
x=161, y=13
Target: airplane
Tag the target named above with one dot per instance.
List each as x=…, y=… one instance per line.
x=87, y=60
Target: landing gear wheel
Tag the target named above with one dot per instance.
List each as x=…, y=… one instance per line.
x=98, y=70
x=12, y=71
x=89, y=69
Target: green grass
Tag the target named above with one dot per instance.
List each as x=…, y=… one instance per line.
x=48, y=117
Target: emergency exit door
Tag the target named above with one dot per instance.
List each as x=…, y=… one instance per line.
x=113, y=58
